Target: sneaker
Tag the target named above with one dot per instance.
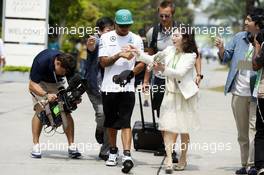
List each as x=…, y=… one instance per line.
x=252, y=171
x=99, y=136
x=242, y=170
x=112, y=160
x=36, y=151
x=73, y=152
x=127, y=164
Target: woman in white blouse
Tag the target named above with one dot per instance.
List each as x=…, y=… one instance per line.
x=178, y=112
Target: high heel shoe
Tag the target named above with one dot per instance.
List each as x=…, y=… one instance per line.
x=169, y=170
x=179, y=167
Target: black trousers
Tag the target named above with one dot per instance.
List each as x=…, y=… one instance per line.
x=259, y=138
x=158, y=93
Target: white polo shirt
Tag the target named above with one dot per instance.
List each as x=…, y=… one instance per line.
x=110, y=44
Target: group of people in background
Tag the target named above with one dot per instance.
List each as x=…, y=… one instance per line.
x=116, y=49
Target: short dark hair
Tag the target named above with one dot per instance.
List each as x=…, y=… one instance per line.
x=257, y=15
x=167, y=3
x=67, y=62
x=103, y=22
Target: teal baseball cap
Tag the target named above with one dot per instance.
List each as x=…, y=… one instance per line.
x=123, y=17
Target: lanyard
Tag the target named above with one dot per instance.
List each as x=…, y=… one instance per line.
x=176, y=59
x=249, y=54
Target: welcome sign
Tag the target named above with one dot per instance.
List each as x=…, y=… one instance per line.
x=25, y=24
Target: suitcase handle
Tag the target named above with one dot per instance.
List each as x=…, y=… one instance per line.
x=141, y=110
x=152, y=110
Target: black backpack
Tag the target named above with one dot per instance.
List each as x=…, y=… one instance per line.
x=156, y=29
x=153, y=43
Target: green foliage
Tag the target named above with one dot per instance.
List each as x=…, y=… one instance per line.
x=84, y=13
x=231, y=11
x=16, y=68
x=77, y=15
x=67, y=46
x=141, y=10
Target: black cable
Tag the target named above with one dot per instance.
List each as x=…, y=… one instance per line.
x=158, y=172
x=47, y=133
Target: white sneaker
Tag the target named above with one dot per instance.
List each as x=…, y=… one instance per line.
x=112, y=160
x=36, y=151
x=128, y=164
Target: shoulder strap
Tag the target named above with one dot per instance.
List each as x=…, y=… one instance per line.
x=153, y=43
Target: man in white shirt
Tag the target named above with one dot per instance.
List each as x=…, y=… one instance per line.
x=118, y=102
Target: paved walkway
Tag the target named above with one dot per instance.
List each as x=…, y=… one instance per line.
x=214, y=147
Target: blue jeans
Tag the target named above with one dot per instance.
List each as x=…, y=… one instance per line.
x=82, y=70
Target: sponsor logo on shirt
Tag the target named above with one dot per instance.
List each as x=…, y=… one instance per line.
x=113, y=38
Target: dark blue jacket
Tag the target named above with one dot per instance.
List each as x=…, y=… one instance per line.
x=93, y=72
x=43, y=67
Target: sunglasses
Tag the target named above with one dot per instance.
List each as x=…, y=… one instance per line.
x=165, y=16
x=124, y=26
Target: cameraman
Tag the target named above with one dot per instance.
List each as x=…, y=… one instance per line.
x=258, y=64
x=46, y=76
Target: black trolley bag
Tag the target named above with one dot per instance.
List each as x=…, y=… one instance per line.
x=146, y=136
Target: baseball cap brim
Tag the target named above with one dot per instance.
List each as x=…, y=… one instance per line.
x=124, y=23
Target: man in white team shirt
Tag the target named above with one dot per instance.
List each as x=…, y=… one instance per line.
x=118, y=102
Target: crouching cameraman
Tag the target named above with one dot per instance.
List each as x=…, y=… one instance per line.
x=258, y=64
x=46, y=77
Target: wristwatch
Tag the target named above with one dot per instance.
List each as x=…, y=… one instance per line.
x=200, y=75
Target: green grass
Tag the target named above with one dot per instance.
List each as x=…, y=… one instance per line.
x=217, y=89
x=222, y=69
x=16, y=68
